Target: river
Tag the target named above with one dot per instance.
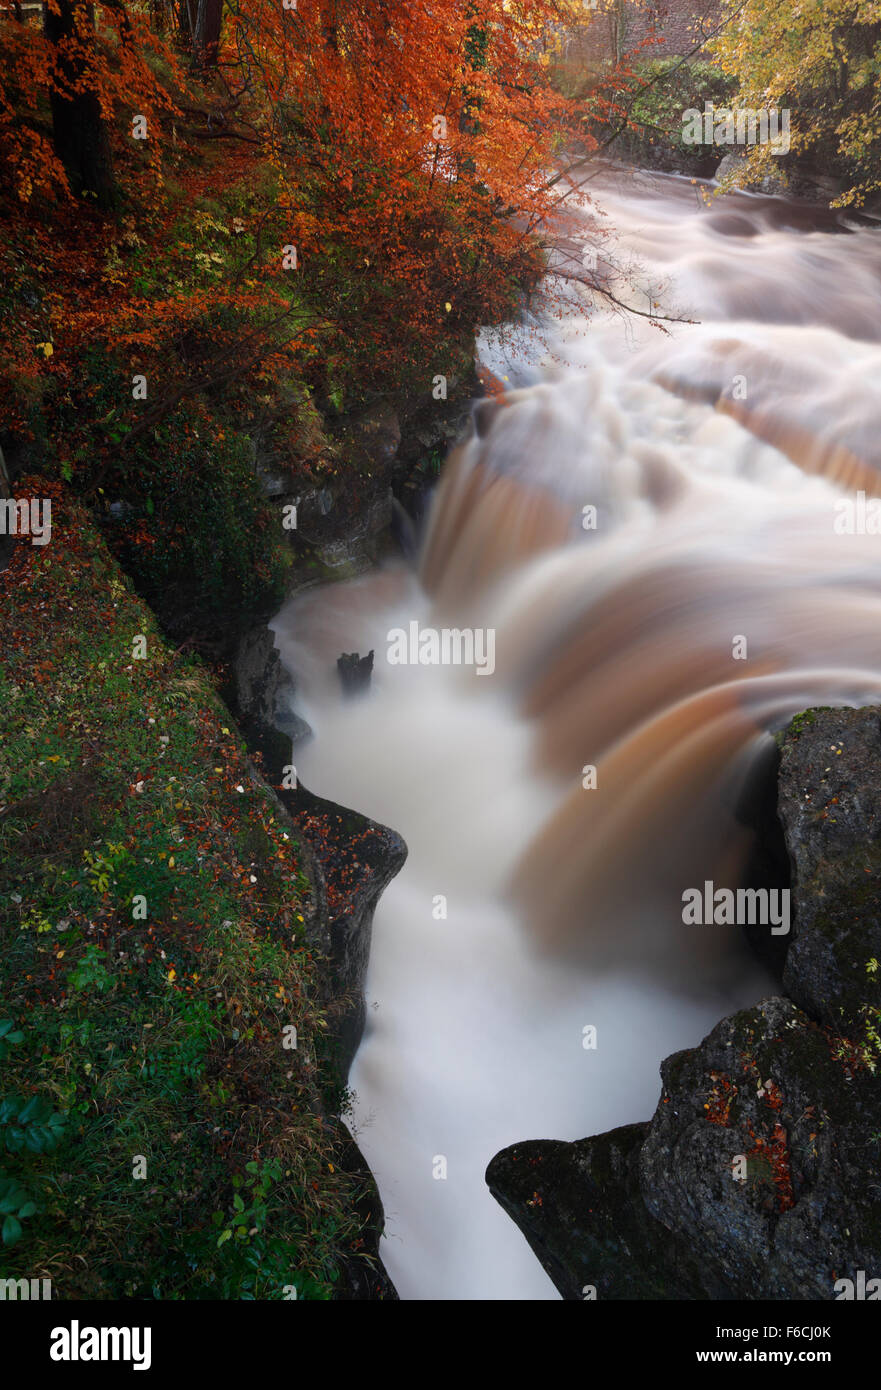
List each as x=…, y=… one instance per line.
x=661, y=529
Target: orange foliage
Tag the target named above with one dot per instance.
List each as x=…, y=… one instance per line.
x=413, y=144
x=108, y=53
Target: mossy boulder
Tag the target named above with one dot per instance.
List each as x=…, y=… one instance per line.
x=830, y=808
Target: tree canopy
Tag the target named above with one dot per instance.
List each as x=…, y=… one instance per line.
x=821, y=59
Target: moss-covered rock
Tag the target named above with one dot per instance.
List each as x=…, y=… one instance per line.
x=830, y=807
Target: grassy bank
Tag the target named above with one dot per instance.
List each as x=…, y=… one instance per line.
x=159, y=1135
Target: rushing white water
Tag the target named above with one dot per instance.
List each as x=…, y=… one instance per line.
x=716, y=457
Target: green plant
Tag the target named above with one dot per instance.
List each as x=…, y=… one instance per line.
x=662, y=89
x=16, y=1205
x=90, y=974
x=248, y=1220
x=30, y=1124
x=9, y=1036
x=102, y=869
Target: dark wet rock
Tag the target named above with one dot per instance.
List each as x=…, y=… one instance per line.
x=735, y=163
x=355, y=859
x=348, y=860
x=258, y=674
x=341, y=525
x=351, y=859
x=375, y=470
x=580, y=1208
x=792, y=1105
x=797, y=185
x=341, y=532
x=374, y=436
x=120, y=511
x=314, y=504
x=830, y=808
x=354, y=672
x=364, y=1281
x=276, y=484
x=430, y=429
x=768, y=865
x=264, y=691
x=756, y=1178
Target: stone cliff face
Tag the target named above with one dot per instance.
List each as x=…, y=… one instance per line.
x=757, y=1176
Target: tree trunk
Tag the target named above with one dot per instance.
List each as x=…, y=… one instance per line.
x=78, y=130
x=621, y=26
x=207, y=36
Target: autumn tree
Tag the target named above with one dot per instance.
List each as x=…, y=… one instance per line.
x=413, y=143
x=90, y=63
x=351, y=190
x=79, y=132
x=206, y=30
x=821, y=59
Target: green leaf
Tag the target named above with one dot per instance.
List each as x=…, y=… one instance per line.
x=15, y=1138
x=36, y=1110
x=224, y=1236
x=9, y=1108
x=11, y=1230
x=12, y=1198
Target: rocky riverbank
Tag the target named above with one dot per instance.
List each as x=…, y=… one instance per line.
x=392, y=452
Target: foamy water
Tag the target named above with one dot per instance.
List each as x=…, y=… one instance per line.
x=531, y=909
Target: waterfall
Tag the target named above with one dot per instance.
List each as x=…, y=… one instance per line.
x=671, y=536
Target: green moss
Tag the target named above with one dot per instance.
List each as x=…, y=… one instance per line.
x=802, y=721
x=152, y=954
